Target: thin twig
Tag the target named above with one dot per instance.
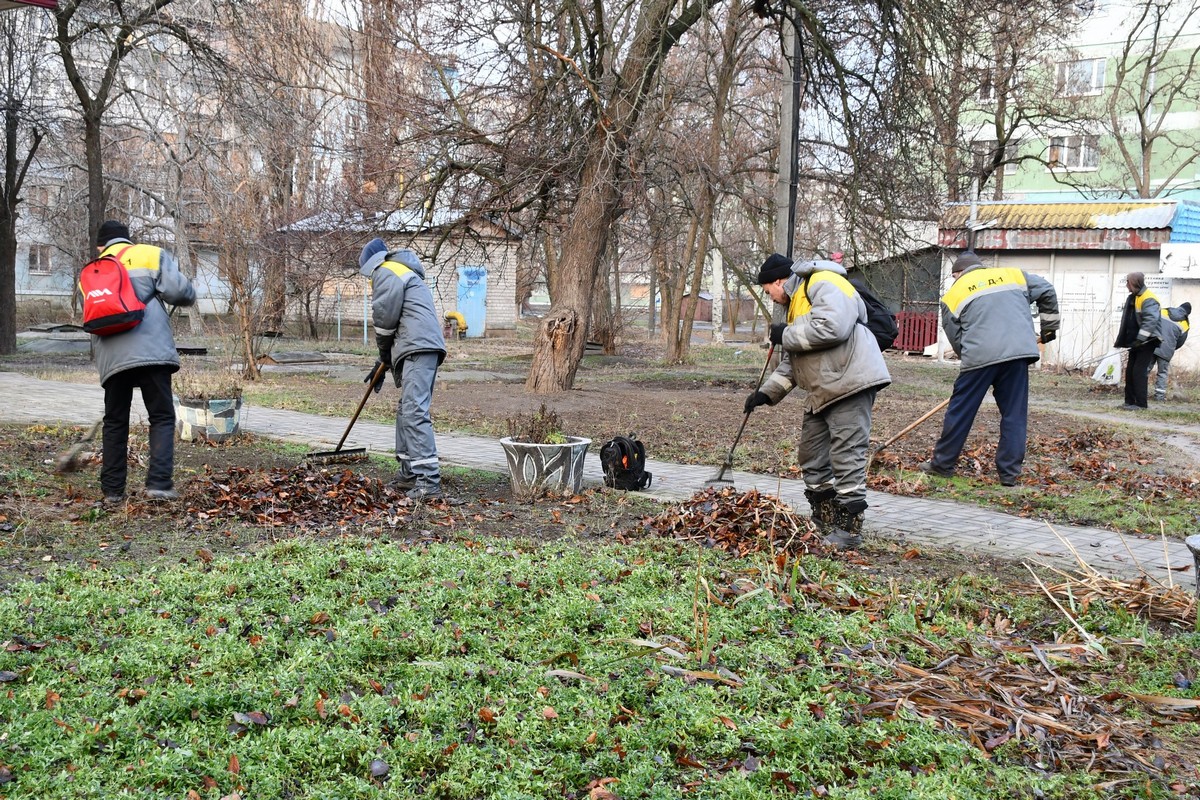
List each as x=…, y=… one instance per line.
x=1092, y=641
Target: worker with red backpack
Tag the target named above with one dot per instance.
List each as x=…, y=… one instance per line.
x=125, y=291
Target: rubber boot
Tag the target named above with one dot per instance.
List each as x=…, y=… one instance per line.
x=823, y=505
x=846, y=531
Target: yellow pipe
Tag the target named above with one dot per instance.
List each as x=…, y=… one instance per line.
x=456, y=317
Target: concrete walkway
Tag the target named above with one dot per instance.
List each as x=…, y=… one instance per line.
x=919, y=521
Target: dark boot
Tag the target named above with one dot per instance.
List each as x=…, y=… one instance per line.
x=846, y=531
x=823, y=505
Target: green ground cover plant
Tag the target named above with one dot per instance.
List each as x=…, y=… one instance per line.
x=494, y=669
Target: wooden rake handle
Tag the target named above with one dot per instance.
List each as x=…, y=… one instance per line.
x=912, y=426
x=361, y=403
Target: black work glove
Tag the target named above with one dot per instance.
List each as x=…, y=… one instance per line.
x=1048, y=337
x=382, y=373
x=776, y=335
x=755, y=400
x=385, y=355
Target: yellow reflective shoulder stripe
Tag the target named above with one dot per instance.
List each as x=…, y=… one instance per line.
x=801, y=305
x=396, y=267
x=1141, y=299
x=982, y=281
x=136, y=256
x=1183, y=324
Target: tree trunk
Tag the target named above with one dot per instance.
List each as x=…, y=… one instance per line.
x=558, y=346
x=561, y=336
x=8, y=236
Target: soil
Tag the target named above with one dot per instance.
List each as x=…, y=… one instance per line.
x=683, y=413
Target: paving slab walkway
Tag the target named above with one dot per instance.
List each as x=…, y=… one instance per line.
x=914, y=520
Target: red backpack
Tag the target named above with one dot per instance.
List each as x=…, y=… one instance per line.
x=109, y=303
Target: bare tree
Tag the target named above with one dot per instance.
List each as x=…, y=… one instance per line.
x=24, y=128
x=1157, y=75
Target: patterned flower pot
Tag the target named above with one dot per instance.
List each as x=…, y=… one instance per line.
x=207, y=420
x=537, y=469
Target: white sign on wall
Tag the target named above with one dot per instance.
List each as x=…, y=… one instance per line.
x=1179, y=260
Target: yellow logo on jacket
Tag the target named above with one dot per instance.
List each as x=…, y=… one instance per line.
x=979, y=282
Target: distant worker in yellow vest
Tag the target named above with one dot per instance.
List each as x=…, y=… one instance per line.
x=985, y=315
x=1174, y=329
x=410, y=343
x=1141, y=332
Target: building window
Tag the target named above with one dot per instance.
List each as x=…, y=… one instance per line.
x=1074, y=152
x=39, y=259
x=1084, y=77
x=983, y=151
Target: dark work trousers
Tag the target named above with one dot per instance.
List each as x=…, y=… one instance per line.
x=1009, y=382
x=155, y=385
x=1137, y=374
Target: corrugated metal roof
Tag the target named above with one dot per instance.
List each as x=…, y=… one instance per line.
x=1133, y=215
x=1185, y=227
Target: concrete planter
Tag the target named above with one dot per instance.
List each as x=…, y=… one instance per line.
x=207, y=420
x=538, y=469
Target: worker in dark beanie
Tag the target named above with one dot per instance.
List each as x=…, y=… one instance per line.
x=1141, y=332
x=985, y=315
x=142, y=358
x=829, y=352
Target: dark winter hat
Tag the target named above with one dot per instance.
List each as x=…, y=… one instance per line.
x=1187, y=308
x=965, y=261
x=774, y=268
x=109, y=230
x=373, y=248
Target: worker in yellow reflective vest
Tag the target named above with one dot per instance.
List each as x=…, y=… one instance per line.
x=986, y=318
x=1141, y=332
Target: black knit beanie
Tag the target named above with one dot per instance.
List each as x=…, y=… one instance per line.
x=109, y=230
x=774, y=268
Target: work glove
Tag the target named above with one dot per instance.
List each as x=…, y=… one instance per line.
x=776, y=335
x=378, y=384
x=385, y=354
x=755, y=400
x=1048, y=337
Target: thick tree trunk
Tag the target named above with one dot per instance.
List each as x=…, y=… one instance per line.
x=8, y=283
x=8, y=236
x=561, y=336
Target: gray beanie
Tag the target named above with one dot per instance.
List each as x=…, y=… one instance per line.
x=965, y=261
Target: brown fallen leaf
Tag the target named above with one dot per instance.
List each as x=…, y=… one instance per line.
x=549, y=713
x=235, y=766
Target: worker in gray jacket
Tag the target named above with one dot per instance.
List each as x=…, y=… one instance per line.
x=144, y=358
x=985, y=315
x=1141, y=332
x=1174, y=328
x=829, y=352
x=409, y=336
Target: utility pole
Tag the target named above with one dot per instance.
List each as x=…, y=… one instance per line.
x=789, y=157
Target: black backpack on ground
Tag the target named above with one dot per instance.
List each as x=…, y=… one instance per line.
x=624, y=461
x=880, y=320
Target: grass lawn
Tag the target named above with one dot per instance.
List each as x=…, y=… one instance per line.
x=373, y=649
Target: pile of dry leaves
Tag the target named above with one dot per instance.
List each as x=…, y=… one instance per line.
x=303, y=497
x=739, y=523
